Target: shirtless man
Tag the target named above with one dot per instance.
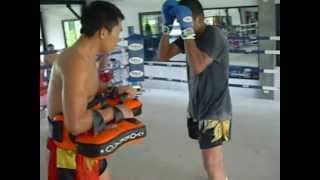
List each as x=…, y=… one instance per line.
x=49, y=58
x=75, y=82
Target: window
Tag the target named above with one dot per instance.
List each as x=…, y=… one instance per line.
x=71, y=31
x=42, y=36
x=41, y=40
x=150, y=23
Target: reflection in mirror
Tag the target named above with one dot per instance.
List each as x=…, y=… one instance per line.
x=239, y=24
x=151, y=24
x=216, y=17
x=242, y=33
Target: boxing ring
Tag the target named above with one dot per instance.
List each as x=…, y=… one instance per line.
x=129, y=66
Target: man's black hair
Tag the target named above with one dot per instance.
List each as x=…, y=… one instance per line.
x=195, y=7
x=99, y=14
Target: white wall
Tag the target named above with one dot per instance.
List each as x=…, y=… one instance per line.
x=53, y=14
x=52, y=17
x=131, y=8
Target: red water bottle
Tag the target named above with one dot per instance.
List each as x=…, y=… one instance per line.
x=105, y=76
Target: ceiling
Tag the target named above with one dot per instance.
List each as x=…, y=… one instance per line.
x=206, y=3
x=157, y=3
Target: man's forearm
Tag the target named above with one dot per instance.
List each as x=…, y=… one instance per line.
x=107, y=114
x=85, y=122
x=164, y=47
x=195, y=56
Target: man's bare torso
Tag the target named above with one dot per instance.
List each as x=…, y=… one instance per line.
x=50, y=58
x=66, y=62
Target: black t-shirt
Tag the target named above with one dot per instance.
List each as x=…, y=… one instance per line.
x=209, y=96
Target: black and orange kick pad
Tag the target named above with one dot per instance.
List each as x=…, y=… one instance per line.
x=127, y=131
x=134, y=104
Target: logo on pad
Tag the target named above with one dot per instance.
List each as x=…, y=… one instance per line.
x=187, y=19
x=136, y=60
x=135, y=47
x=123, y=140
x=136, y=74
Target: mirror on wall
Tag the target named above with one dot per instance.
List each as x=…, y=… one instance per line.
x=239, y=24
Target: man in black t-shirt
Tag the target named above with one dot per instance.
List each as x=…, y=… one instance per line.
x=207, y=53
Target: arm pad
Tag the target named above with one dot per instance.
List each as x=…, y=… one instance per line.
x=98, y=124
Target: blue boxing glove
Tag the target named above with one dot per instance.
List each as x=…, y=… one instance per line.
x=184, y=17
x=168, y=14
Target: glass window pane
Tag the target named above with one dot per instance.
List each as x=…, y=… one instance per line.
x=72, y=31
